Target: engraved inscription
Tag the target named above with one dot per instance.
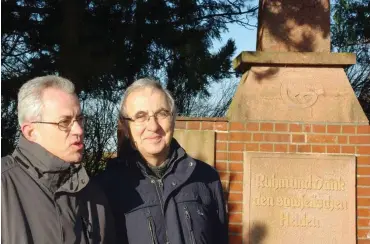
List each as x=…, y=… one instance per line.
x=298, y=220
x=310, y=183
x=263, y=201
x=300, y=198
x=301, y=202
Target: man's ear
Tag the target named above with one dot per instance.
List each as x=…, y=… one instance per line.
x=29, y=131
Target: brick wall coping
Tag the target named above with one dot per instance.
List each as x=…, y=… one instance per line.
x=218, y=119
x=225, y=119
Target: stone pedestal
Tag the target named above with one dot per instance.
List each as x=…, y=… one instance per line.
x=295, y=86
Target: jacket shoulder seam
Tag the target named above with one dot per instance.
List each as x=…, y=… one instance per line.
x=3, y=171
x=8, y=164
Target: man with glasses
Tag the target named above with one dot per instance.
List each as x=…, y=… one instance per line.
x=157, y=192
x=46, y=194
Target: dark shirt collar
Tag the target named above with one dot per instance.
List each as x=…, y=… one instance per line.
x=176, y=152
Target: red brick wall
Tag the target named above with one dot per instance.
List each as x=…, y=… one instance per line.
x=232, y=138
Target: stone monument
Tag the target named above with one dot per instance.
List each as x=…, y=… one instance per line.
x=293, y=76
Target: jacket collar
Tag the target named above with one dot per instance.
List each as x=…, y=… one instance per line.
x=176, y=152
x=50, y=171
x=179, y=171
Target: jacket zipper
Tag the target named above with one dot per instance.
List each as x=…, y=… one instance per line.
x=151, y=230
x=190, y=226
x=159, y=190
x=160, y=185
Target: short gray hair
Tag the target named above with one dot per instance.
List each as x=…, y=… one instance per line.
x=144, y=83
x=30, y=95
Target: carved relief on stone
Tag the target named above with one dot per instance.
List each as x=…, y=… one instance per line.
x=300, y=95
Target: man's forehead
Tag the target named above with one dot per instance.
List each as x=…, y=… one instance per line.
x=63, y=111
x=147, y=99
x=56, y=97
x=60, y=104
x=147, y=96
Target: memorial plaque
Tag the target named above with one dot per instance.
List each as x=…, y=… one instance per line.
x=299, y=198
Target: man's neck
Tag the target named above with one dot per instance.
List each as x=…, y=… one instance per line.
x=157, y=160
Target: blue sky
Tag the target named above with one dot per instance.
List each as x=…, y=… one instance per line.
x=245, y=39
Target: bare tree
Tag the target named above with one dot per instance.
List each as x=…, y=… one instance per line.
x=100, y=133
x=217, y=104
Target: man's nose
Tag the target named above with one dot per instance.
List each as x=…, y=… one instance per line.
x=152, y=123
x=77, y=128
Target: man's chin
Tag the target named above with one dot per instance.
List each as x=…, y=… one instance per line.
x=76, y=160
x=157, y=150
x=156, y=147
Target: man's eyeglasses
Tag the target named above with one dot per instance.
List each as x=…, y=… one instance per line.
x=143, y=117
x=65, y=124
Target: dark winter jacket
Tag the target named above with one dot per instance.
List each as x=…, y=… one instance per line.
x=185, y=206
x=46, y=200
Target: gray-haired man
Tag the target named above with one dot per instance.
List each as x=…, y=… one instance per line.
x=46, y=195
x=158, y=193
